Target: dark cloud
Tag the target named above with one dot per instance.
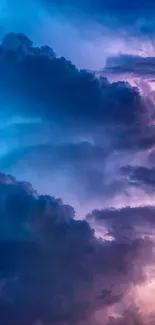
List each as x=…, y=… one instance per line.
x=125, y=223
x=131, y=65
x=40, y=84
x=143, y=177
x=75, y=132
x=82, y=122
x=55, y=83
x=53, y=268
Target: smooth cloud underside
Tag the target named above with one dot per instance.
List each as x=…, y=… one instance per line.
x=53, y=268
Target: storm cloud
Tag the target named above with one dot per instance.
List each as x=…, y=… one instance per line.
x=79, y=124
x=77, y=120
x=39, y=239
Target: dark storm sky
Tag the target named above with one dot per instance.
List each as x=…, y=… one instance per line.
x=77, y=121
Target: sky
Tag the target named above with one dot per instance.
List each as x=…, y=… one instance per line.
x=77, y=162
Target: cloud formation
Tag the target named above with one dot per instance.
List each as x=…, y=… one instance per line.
x=53, y=269
x=87, y=137
x=140, y=176
x=78, y=123
x=58, y=85
x=131, y=67
x=126, y=223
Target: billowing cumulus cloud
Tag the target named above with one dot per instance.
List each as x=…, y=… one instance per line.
x=77, y=120
x=54, y=270
x=87, y=138
x=57, y=85
x=84, y=128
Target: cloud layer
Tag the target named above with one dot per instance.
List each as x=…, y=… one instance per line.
x=65, y=128
x=85, y=128
x=54, y=270
x=84, y=136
